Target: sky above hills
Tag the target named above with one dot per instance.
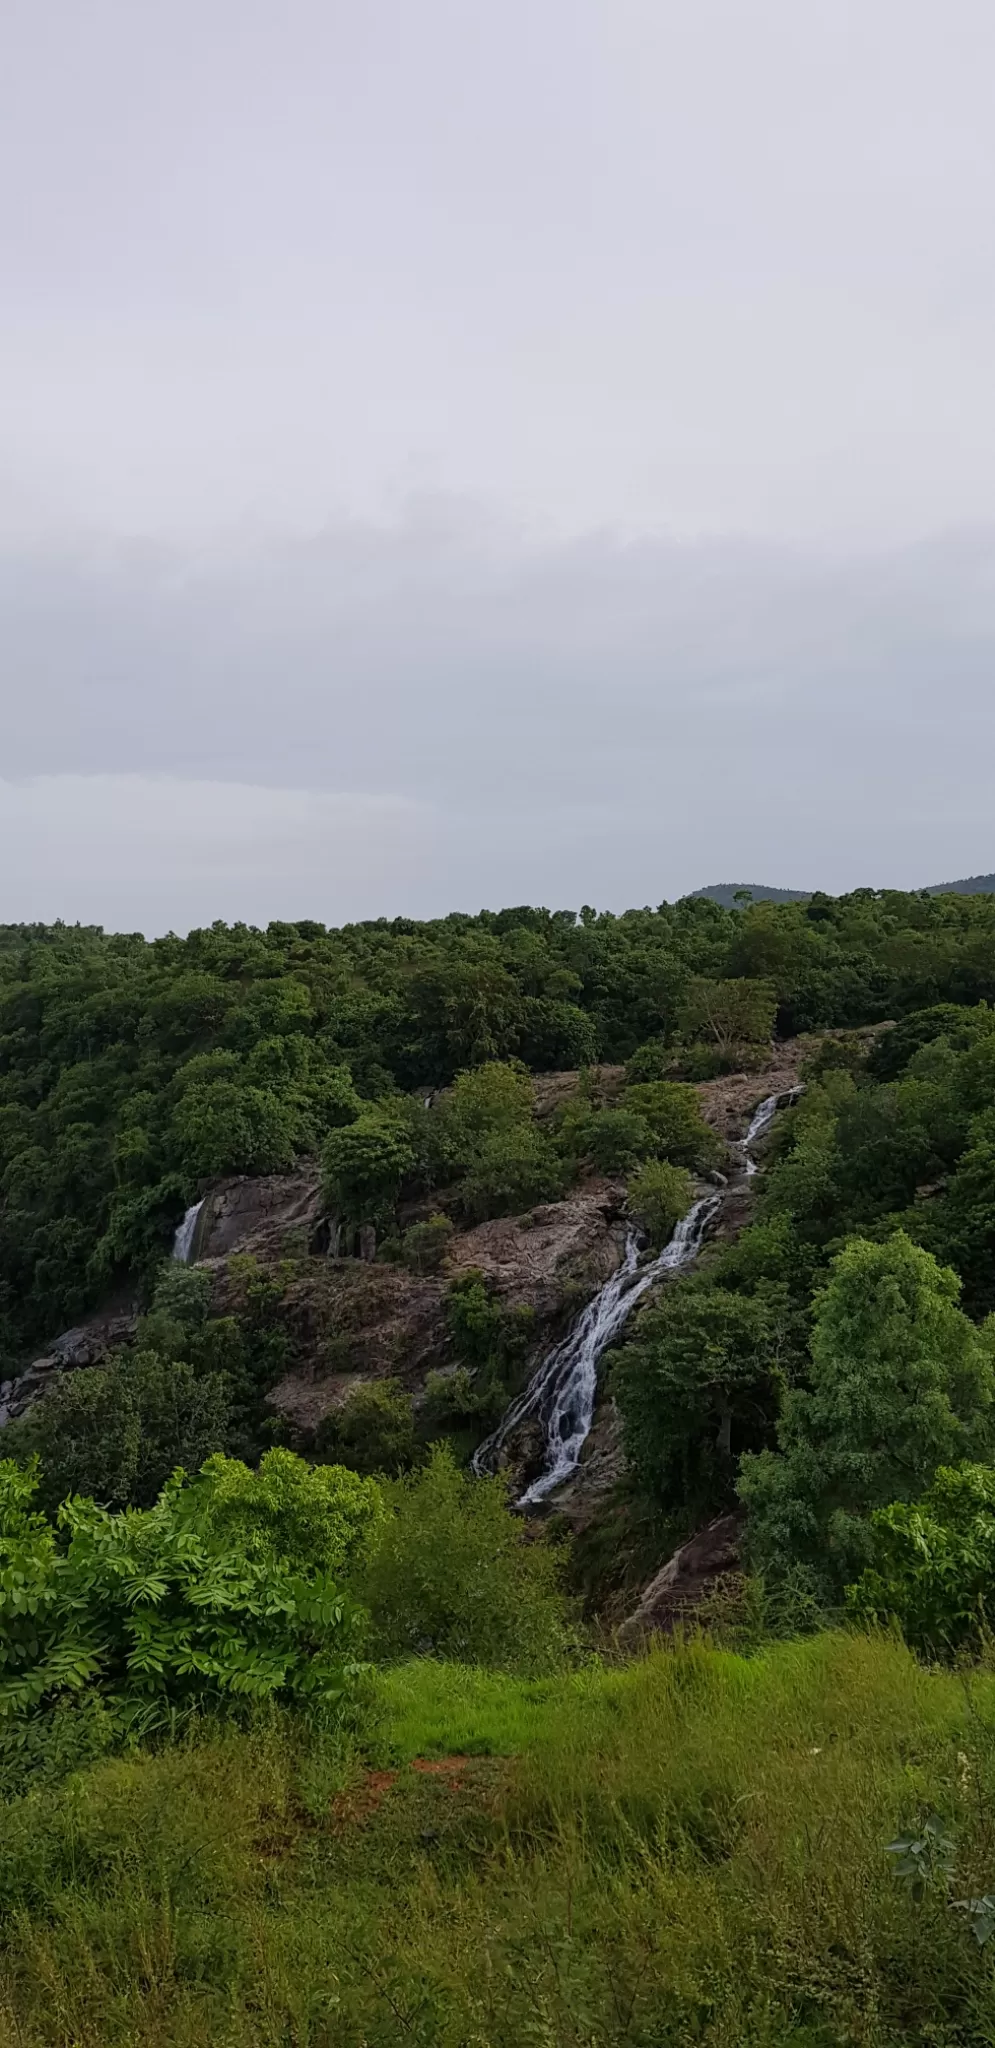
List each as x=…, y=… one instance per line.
x=464, y=455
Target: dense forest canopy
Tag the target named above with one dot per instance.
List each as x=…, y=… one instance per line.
x=133, y=1072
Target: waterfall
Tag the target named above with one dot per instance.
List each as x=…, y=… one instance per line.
x=562, y=1392
x=185, y=1231
x=760, y=1123
x=563, y=1389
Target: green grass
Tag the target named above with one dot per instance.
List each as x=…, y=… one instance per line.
x=687, y=1849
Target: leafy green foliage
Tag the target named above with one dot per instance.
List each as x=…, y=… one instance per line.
x=697, y=1385
x=673, y=1112
x=454, y=1574
x=153, y=1612
x=373, y=1430
x=131, y=1071
x=117, y=1432
x=658, y=1196
x=305, y=1517
x=901, y=1382
x=932, y=1562
x=728, y=1014
x=424, y=1245
x=365, y=1164
x=491, y=1342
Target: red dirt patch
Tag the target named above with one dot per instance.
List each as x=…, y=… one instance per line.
x=450, y=1768
x=354, y=1806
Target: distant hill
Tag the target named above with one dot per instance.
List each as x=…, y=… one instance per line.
x=975, y=885
x=727, y=892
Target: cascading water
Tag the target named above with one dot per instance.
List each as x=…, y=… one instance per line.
x=763, y=1117
x=185, y=1232
x=562, y=1392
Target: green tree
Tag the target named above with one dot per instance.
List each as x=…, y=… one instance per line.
x=229, y=1126
x=658, y=1196
x=901, y=1382
x=932, y=1563
x=698, y=1385
x=365, y=1164
x=116, y=1432
x=728, y=1013
x=512, y=1171
x=613, y=1140
x=373, y=1431
x=673, y=1112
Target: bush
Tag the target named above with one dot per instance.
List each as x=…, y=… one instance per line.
x=658, y=1196
x=932, y=1563
x=424, y=1245
x=652, y=1061
x=117, y=1432
x=305, y=1517
x=455, y=1575
x=673, y=1113
x=155, y=1614
x=373, y=1431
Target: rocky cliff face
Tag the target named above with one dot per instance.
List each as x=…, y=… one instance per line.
x=349, y=1322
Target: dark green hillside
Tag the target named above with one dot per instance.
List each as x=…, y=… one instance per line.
x=728, y=893
x=134, y=1073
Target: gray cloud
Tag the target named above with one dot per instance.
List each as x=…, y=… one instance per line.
x=380, y=387
x=555, y=722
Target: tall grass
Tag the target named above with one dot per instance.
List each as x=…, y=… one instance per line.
x=689, y=1849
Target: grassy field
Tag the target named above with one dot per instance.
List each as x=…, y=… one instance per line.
x=688, y=1849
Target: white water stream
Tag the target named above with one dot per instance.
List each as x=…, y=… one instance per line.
x=562, y=1391
x=183, y=1241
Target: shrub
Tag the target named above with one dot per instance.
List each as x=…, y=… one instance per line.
x=455, y=1574
x=424, y=1245
x=658, y=1196
x=306, y=1517
x=652, y=1061
x=673, y=1113
x=153, y=1612
x=373, y=1431
x=932, y=1563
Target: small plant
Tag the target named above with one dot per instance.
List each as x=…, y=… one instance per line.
x=924, y=1861
x=926, y=1864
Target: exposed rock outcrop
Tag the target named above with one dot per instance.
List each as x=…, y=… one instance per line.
x=350, y=1321
x=88, y=1344
x=686, y=1579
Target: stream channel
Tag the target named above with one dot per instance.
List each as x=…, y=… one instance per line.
x=563, y=1389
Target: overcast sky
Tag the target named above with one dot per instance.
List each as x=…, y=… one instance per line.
x=464, y=453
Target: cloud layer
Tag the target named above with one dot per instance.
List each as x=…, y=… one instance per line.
x=445, y=713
